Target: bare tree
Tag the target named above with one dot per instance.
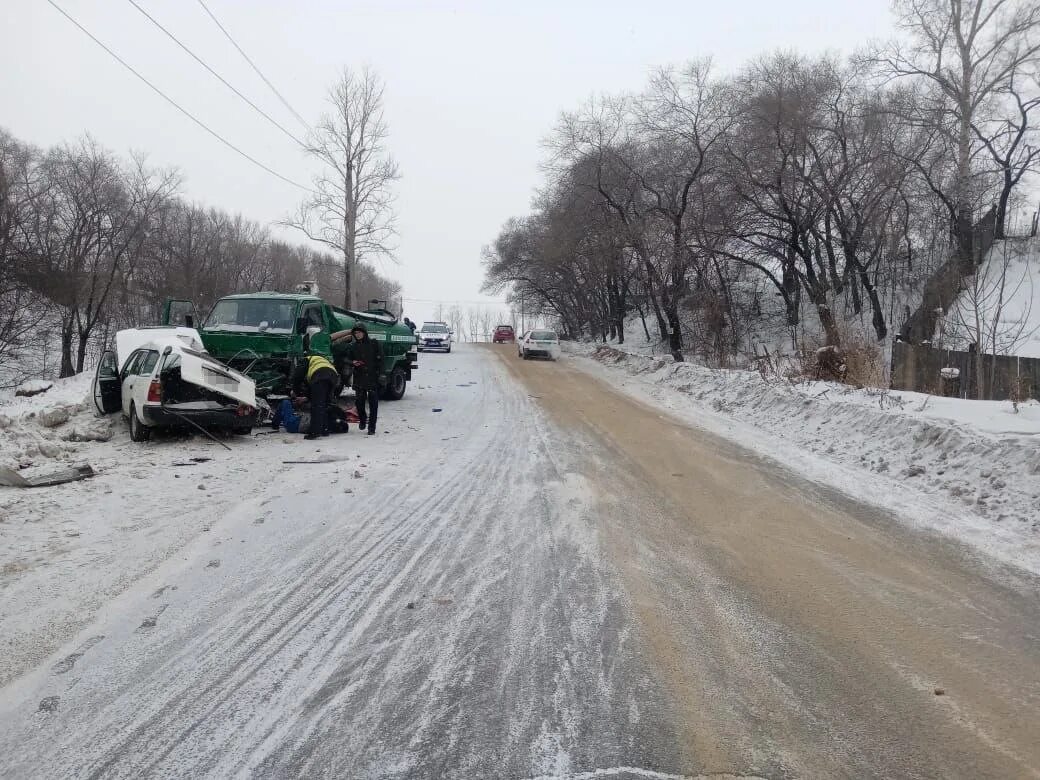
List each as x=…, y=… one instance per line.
x=91, y=219
x=20, y=309
x=351, y=208
x=966, y=51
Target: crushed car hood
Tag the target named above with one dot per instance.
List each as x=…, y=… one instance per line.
x=204, y=370
x=198, y=367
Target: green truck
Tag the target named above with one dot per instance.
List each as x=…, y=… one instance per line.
x=261, y=335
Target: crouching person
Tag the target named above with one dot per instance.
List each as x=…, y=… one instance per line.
x=317, y=374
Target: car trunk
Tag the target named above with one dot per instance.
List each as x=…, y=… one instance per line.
x=178, y=394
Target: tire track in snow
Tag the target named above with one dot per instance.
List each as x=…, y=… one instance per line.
x=286, y=620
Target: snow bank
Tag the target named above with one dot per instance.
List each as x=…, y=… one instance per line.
x=970, y=469
x=47, y=425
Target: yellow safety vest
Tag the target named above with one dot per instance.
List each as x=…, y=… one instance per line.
x=316, y=363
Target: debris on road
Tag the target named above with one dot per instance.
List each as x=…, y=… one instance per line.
x=191, y=462
x=12, y=478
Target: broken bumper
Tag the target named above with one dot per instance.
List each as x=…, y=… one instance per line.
x=164, y=417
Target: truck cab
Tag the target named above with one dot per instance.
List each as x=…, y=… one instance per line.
x=262, y=335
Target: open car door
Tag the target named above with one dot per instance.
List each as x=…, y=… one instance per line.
x=108, y=387
x=180, y=312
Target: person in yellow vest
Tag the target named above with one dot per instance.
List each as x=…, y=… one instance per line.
x=321, y=380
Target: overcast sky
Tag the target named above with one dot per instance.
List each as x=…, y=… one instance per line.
x=472, y=88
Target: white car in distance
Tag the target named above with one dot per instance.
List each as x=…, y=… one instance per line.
x=435, y=335
x=539, y=343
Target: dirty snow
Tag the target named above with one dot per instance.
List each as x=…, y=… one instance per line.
x=969, y=469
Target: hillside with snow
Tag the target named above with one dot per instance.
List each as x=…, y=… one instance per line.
x=1000, y=306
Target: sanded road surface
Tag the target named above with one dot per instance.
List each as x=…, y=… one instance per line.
x=799, y=633
x=550, y=581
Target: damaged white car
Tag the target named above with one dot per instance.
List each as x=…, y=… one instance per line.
x=164, y=378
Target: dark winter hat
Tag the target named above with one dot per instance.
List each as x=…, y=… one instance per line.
x=360, y=326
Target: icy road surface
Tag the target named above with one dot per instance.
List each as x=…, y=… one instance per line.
x=544, y=579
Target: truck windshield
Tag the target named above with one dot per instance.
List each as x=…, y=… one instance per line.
x=252, y=315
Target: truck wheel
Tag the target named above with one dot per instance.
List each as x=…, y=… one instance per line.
x=396, y=385
x=138, y=431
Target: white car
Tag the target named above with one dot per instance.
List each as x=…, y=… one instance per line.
x=164, y=378
x=539, y=343
x=435, y=335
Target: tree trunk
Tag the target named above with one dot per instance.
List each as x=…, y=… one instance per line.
x=81, y=353
x=66, y=350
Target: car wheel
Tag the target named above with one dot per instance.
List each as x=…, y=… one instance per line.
x=448, y=350
x=397, y=385
x=138, y=430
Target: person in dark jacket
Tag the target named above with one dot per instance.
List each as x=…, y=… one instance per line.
x=321, y=380
x=366, y=356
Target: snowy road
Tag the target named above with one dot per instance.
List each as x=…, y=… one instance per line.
x=541, y=580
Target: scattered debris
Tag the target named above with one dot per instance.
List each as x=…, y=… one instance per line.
x=214, y=564
x=12, y=478
x=49, y=704
x=317, y=461
x=438, y=409
x=940, y=691
x=357, y=474
x=410, y=605
x=191, y=462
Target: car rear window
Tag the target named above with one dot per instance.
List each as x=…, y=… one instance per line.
x=543, y=335
x=148, y=361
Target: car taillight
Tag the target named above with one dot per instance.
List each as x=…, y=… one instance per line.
x=244, y=410
x=155, y=392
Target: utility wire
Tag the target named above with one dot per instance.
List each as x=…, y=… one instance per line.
x=252, y=64
x=223, y=80
x=173, y=103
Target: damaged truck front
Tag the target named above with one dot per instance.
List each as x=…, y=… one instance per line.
x=262, y=335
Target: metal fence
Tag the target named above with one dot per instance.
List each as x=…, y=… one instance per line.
x=960, y=374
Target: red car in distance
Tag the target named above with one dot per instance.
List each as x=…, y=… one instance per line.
x=504, y=335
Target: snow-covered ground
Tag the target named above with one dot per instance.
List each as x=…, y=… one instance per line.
x=970, y=469
x=67, y=550
x=1000, y=307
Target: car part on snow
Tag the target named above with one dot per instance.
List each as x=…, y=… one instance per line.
x=12, y=478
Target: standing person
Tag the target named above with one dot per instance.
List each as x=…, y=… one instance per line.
x=321, y=380
x=410, y=324
x=366, y=356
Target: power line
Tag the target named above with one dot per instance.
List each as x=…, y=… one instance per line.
x=223, y=81
x=252, y=64
x=176, y=105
